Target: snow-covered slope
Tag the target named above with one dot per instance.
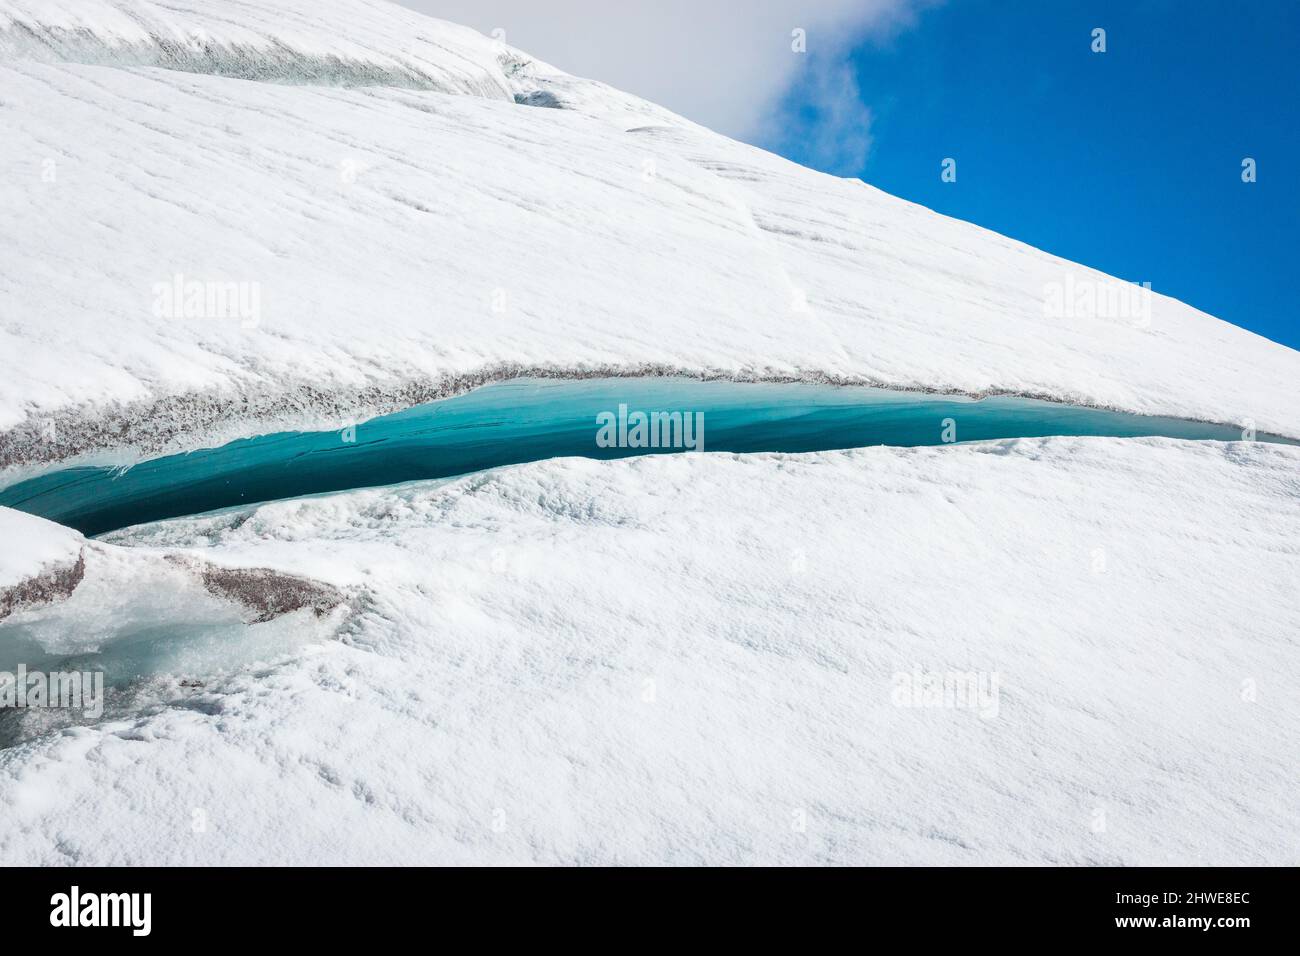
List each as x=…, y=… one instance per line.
x=693, y=659
x=393, y=244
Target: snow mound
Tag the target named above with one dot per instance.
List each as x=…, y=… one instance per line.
x=33, y=546
x=696, y=659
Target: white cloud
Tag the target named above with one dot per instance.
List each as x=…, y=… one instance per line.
x=723, y=63
x=837, y=137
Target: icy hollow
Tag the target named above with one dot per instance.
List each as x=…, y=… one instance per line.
x=531, y=420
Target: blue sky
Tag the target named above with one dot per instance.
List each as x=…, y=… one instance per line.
x=1128, y=161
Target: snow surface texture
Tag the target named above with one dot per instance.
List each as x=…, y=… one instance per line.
x=408, y=243
x=683, y=659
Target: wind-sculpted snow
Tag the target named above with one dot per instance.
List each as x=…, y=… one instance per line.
x=190, y=258
x=697, y=659
x=331, y=42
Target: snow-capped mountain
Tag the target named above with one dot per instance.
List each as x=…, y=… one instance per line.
x=228, y=218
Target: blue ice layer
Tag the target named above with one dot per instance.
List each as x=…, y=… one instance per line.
x=533, y=419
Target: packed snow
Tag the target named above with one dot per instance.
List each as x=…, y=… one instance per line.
x=692, y=659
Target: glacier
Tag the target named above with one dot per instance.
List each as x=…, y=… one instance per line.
x=690, y=658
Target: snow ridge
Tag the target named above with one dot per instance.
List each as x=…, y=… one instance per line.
x=325, y=42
